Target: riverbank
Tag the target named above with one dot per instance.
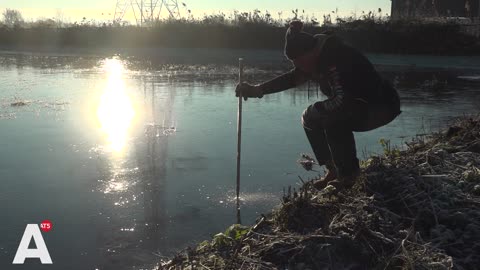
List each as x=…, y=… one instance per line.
x=417, y=208
x=372, y=36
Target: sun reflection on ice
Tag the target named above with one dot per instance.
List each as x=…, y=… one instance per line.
x=115, y=111
x=115, y=186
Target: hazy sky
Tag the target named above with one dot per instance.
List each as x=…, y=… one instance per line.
x=93, y=9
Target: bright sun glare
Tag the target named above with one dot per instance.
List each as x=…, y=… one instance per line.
x=115, y=111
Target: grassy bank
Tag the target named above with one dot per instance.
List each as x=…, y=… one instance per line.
x=368, y=34
x=417, y=208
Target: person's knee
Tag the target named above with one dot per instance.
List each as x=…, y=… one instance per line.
x=311, y=117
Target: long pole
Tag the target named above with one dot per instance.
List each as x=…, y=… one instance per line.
x=239, y=138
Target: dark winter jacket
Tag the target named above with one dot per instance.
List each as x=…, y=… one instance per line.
x=343, y=73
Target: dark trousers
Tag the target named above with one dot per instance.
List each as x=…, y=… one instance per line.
x=330, y=133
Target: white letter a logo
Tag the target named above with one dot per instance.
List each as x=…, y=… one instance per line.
x=41, y=252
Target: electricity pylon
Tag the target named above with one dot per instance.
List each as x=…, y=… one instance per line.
x=146, y=11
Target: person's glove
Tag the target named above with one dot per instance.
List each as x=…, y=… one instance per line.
x=248, y=90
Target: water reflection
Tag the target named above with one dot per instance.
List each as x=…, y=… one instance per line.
x=152, y=156
x=135, y=181
x=115, y=111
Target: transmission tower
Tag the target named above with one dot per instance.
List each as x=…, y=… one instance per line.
x=146, y=11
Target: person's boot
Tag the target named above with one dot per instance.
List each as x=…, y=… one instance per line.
x=330, y=176
x=345, y=181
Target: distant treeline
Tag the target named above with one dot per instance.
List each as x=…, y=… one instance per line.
x=369, y=34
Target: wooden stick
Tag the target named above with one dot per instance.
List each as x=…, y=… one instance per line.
x=239, y=137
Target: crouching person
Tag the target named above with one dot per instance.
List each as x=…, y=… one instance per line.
x=358, y=99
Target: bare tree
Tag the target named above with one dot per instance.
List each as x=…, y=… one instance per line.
x=12, y=17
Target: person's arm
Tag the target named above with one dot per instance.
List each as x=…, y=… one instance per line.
x=283, y=82
x=337, y=98
x=336, y=102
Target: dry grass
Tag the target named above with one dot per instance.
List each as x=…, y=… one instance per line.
x=244, y=30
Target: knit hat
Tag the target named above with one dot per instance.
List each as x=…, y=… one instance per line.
x=297, y=42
